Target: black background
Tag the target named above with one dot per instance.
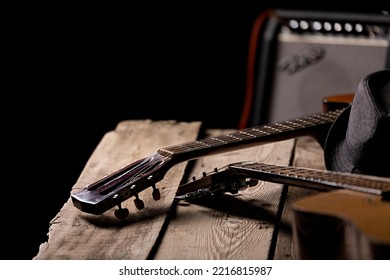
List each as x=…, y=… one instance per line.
x=71, y=72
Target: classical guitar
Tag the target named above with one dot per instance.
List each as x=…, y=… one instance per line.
x=349, y=219
x=132, y=179
x=129, y=181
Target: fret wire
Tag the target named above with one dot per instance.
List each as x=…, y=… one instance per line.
x=283, y=127
x=322, y=176
x=329, y=117
x=315, y=121
x=295, y=125
x=178, y=149
x=165, y=152
x=189, y=146
x=253, y=132
x=259, y=132
x=248, y=131
x=227, y=138
x=212, y=141
x=194, y=145
x=267, y=130
x=273, y=129
x=307, y=122
x=235, y=136
x=245, y=135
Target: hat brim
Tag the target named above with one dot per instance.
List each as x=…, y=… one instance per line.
x=334, y=154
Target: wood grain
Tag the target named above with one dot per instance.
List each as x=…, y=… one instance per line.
x=308, y=153
x=233, y=226
x=247, y=225
x=76, y=235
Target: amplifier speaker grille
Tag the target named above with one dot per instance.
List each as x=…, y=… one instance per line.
x=306, y=56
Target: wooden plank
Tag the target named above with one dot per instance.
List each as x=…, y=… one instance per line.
x=308, y=153
x=233, y=226
x=77, y=235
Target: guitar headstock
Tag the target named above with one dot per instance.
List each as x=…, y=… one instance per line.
x=216, y=182
x=129, y=181
x=237, y=176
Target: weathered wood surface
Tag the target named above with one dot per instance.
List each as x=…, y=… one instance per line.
x=308, y=153
x=230, y=227
x=77, y=235
x=248, y=225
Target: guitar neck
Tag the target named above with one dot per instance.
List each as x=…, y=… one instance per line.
x=132, y=179
x=313, y=178
x=236, y=176
x=316, y=125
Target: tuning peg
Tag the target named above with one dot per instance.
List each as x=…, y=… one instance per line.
x=139, y=203
x=156, y=193
x=251, y=182
x=121, y=213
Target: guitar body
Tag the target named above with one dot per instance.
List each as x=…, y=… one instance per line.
x=341, y=225
x=334, y=102
x=330, y=225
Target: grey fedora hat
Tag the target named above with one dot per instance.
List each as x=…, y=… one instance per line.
x=359, y=140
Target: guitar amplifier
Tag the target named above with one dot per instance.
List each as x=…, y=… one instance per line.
x=305, y=56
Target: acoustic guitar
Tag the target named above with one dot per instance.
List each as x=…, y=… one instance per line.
x=130, y=180
x=350, y=219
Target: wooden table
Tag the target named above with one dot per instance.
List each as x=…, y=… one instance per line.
x=254, y=224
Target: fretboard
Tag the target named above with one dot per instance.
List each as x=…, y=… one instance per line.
x=313, y=178
x=313, y=125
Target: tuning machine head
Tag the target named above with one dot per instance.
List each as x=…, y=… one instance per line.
x=122, y=213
